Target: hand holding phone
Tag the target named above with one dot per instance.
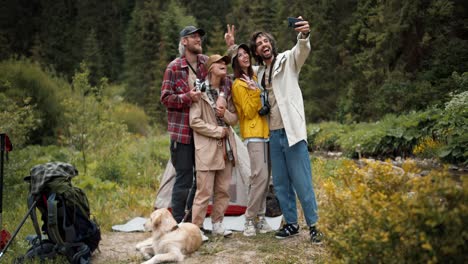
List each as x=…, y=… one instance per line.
x=292, y=22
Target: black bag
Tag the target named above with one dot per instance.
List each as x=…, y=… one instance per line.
x=272, y=204
x=65, y=215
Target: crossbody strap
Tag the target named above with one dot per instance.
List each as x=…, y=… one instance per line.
x=193, y=70
x=269, y=76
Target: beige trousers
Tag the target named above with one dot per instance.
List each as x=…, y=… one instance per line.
x=216, y=184
x=259, y=179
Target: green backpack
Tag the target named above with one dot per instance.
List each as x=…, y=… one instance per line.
x=65, y=214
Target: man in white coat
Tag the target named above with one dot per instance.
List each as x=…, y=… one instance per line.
x=291, y=169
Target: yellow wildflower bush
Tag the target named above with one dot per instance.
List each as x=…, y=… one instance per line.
x=374, y=212
x=427, y=148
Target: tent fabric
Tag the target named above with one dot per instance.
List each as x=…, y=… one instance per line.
x=238, y=188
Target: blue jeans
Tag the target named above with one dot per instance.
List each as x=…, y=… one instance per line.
x=292, y=174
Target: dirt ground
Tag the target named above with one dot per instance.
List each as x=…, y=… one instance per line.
x=119, y=247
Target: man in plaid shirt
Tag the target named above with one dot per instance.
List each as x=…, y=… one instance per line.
x=177, y=94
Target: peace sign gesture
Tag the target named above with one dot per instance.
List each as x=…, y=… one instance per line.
x=229, y=37
x=250, y=82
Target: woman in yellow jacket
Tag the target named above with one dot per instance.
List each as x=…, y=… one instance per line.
x=254, y=130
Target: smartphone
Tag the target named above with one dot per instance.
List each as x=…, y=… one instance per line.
x=292, y=21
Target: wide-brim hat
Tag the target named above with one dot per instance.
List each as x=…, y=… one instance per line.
x=215, y=58
x=189, y=30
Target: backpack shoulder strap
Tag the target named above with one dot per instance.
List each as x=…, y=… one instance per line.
x=81, y=201
x=52, y=221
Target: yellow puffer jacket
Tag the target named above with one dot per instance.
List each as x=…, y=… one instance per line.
x=247, y=103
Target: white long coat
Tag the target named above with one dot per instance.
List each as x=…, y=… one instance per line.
x=288, y=94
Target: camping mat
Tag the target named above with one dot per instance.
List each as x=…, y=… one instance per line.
x=134, y=225
x=235, y=223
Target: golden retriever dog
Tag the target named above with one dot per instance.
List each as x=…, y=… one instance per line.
x=169, y=241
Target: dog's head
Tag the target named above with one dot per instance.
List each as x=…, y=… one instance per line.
x=160, y=220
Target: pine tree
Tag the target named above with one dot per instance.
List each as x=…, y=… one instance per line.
x=56, y=23
x=208, y=14
x=217, y=45
x=108, y=19
x=142, y=49
x=93, y=58
x=151, y=43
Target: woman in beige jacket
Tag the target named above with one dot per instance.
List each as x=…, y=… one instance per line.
x=215, y=146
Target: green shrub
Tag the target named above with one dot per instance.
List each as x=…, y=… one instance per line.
x=17, y=121
x=404, y=132
x=377, y=214
x=452, y=128
x=137, y=163
x=134, y=117
x=363, y=137
x=325, y=135
x=27, y=82
x=21, y=160
x=392, y=136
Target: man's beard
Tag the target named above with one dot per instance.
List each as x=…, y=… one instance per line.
x=194, y=49
x=267, y=57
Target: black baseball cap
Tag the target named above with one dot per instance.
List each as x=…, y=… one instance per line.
x=189, y=30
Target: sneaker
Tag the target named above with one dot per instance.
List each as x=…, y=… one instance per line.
x=203, y=237
x=263, y=226
x=316, y=236
x=218, y=229
x=287, y=230
x=249, y=228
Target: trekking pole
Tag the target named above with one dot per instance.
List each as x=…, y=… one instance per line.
x=18, y=228
x=4, y=234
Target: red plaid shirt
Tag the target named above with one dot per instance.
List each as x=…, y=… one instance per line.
x=175, y=95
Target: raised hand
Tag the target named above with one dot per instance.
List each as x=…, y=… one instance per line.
x=250, y=82
x=302, y=26
x=229, y=36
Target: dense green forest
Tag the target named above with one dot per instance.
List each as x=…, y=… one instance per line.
x=369, y=58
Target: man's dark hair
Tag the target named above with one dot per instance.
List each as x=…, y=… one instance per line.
x=253, y=44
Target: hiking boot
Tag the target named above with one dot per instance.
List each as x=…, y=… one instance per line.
x=249, y=228
x=287, y=230
x=203, y=237
x=316, y=236
x=263, y=226
x=219, y=230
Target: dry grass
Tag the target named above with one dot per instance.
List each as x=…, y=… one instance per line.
x=263, y=248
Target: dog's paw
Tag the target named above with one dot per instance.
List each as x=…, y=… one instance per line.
x=139, y=246
x=147, y=256
x=149, y=262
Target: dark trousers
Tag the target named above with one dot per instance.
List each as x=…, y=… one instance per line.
x=183, y=192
